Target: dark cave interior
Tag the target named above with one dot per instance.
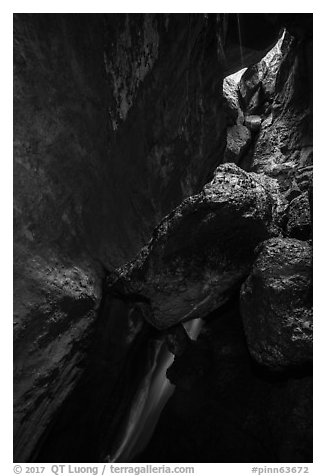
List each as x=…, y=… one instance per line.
x=163, y=238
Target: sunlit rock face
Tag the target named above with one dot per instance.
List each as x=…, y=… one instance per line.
x=284, y=144
x=204, y=248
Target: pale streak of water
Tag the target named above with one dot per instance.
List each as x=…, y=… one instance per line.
x=149, y=402
x=240, y=40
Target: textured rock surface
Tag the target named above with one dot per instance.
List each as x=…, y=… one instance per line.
x=54, y=315
x=238, y=140
x=276, y=301
x=89, y=421
x=250, y=82
x=194, y=260
x=299, y=219
x=108, y=109
x=226, y=406
x=257, y=85
x=284, y=143
x=279, y=90
x=230, y=94
x=165, y=76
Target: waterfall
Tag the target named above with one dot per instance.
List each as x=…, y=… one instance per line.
x=152, y=395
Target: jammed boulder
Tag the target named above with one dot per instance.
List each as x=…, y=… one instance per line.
x=231, y=98
x=203, y=250
x=238, y=140
x=276, y=304
x=253, y=122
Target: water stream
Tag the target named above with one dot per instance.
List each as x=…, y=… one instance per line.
x=152, y=395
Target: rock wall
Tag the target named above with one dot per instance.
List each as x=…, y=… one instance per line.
x=116, y=119
x=59, y=148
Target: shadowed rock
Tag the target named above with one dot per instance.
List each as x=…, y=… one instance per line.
x=299, y=220
x=238, y=140
x=204, y=248
x=276, y=304
x=230, y=94
x=251, y=82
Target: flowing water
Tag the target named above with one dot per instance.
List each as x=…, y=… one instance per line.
x=153, y=393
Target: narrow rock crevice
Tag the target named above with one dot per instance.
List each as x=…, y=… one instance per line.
x=163, y=238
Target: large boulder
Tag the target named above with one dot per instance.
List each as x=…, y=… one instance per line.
x=238, y=141
x=203, y=250
x=253, y=122
x=276, y=304
x=231, y=99
x=299, y=219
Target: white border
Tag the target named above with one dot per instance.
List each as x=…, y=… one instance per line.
x=95, y=6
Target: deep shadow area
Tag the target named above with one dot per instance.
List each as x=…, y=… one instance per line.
x=88, y=424
x=227, y=409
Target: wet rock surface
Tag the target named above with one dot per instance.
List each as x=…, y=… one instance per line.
x=276, y=304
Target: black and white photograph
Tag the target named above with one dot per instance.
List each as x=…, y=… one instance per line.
x=162, y=241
